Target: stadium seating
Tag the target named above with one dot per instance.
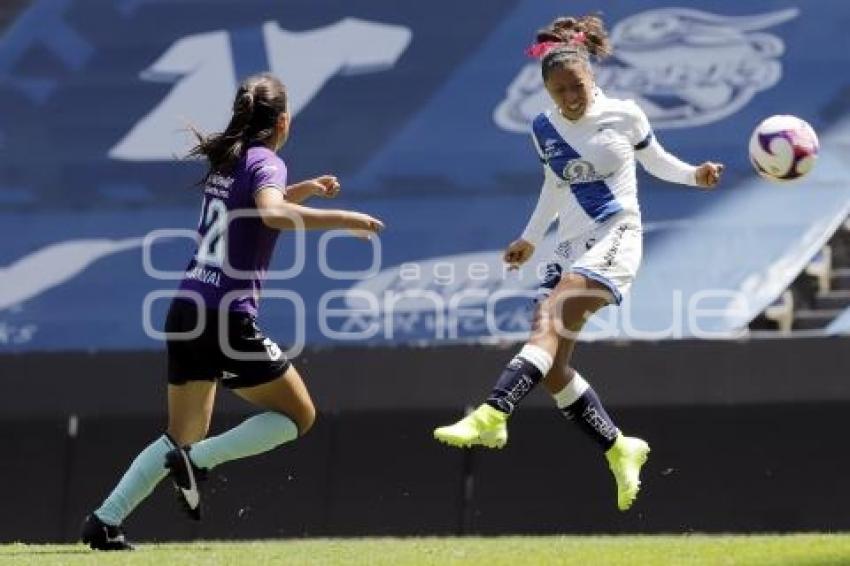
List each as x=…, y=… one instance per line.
x=820, y=267
x=782, y=312
x=818, y=296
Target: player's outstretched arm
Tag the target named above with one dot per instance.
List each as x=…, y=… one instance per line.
x=280, y=214
x=326, y=186
x=667, y=167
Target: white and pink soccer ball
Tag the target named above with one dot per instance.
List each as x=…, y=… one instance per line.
x=783, y=148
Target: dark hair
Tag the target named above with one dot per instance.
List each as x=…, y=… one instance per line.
x=259, y=102
x=584, y=37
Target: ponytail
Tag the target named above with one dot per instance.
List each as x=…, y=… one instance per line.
x=259, y=102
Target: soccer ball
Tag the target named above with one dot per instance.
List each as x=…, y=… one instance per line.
x=783, y=148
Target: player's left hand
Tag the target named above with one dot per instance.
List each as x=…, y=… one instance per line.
x=708, y=174
x=326, y=186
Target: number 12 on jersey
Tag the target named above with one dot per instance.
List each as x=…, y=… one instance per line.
x=212, y=228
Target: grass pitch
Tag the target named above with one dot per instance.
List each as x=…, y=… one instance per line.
x=792, y=550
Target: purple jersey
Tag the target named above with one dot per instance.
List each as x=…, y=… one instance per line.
x=234, y=257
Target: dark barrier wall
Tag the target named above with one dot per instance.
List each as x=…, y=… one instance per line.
x=680, y=372
x=746, y=436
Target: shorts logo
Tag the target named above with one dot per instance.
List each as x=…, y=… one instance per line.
x=273, y=349
x=684, y=67
x=615, y=245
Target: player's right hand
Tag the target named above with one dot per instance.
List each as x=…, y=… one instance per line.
x=518, y=252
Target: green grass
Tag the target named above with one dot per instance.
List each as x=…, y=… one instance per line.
x=793, y=550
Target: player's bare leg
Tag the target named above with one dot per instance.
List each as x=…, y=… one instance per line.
x=190, y=408
x=286, y=395
x=555, y=328
x=290, y=413
x=572, y=301
x=578, y=401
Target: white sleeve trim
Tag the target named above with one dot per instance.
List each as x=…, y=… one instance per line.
x=665, y=166
x=544, y=213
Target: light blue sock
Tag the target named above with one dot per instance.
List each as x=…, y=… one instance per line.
x=255, y=435
x=146, y=471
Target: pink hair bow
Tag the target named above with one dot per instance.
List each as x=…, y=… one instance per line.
x=539, y=50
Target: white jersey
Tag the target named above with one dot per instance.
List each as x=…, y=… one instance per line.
x=590, y=185
x=589, y=166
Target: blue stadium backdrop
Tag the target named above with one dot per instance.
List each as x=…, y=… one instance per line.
x=422, y=109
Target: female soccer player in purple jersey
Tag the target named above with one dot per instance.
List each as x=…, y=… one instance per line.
x=588, y=144
x=212, y=324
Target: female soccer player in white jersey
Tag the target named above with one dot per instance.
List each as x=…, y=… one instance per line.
x=588, y=144
x=218, y=303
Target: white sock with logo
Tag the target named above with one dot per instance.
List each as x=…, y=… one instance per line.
x=579, y=403
x=519, y=377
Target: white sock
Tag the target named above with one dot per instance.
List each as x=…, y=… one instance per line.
x=571, y=393
x=537, y=356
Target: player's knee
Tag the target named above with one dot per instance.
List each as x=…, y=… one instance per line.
x=544, y=327
x=574, y=321
x=567, y=316
x=305, y=418
x=576, y=309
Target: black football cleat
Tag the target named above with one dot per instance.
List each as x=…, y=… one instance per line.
x=100, y=536
x=185, y=476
